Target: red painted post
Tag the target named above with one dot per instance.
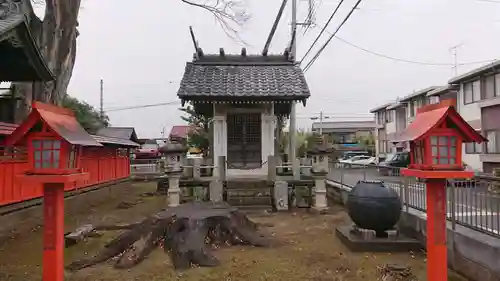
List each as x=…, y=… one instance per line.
x=437, y=267
x=53, y=244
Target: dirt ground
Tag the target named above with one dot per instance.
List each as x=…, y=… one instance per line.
x=308, y=250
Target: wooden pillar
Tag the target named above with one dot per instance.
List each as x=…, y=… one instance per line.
x=53, y=236
x=437, y=260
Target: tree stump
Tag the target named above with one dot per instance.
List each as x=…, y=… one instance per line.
x=187, y=232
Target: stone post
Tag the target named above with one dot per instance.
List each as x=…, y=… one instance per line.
x=174, y=190
x=185, y=169
x=197, y=168
x=218, y=179
x=271, y=168
x=281, y=195
x=296, y=168
x=320, y=171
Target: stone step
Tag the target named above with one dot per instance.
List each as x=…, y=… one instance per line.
x=255, y=209
x=248, y=201
x=246, y=185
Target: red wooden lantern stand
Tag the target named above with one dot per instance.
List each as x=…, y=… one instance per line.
x=53, y=216
x=436, y=137
x=54, y=139
x=436, y=182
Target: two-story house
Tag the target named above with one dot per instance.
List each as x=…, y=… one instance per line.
x=447, y=92
x=478, y=101
x=416, y=100
x=381, y=119
x=347, y=135
x=398, y=118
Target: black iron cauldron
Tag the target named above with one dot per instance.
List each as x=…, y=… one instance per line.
x=372, y=205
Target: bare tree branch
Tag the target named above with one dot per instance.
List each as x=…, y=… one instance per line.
x=230, y=14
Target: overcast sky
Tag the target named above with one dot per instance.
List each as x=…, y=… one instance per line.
x=141, y=51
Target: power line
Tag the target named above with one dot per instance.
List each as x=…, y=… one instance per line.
x=322, y=30
x=406, y=60
x=311, y=62
x=143, y=106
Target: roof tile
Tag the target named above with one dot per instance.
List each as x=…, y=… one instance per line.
x=243, y=77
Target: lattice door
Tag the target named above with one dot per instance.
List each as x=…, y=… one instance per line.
x=244, y=140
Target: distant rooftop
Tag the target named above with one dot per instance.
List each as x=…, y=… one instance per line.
x=345, y=125
x=180, y=131
x=490, y=67
x=443, y=90
x=422, y=92
x=381, y=107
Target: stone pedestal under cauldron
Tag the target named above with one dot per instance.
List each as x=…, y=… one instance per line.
x=375, y=210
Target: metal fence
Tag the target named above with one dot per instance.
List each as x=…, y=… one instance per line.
x=469, y=202
x=145, y=169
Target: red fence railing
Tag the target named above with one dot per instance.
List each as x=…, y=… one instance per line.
x=103, y=165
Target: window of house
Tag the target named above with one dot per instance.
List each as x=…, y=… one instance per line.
x=382, y=146
x=497, y=85
x=390, y=116
x=472, y=92
x=473, y=148
x=489, y=87
x=433, y=100
x=467, y=93
x=476, y=90
x=492, y=144
x=381, y=118
x=412, y=108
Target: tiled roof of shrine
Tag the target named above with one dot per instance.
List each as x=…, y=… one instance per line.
x=243, y=76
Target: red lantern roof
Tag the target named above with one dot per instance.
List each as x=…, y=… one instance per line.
x=433, y=116
x=62, y=121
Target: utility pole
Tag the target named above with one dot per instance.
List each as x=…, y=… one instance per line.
x=454, y=52
x=293, y=114
x=321, y=118
x=102, y=99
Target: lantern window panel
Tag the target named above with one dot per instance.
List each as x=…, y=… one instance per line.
x=47, y=153
x=443, y=150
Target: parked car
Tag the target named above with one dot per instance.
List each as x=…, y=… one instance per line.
x=390, y=166
x=358, y=161
x=148, y=151
x=349, y=154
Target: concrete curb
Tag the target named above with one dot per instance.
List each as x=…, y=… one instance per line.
x=470, y=253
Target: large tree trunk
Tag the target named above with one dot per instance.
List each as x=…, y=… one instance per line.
x=56, y=37
x=187, y=232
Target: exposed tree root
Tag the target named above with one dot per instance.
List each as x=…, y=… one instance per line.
x=187, y=232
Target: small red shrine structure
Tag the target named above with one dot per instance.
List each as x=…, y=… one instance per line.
x=436, y=137
x=54, y=139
